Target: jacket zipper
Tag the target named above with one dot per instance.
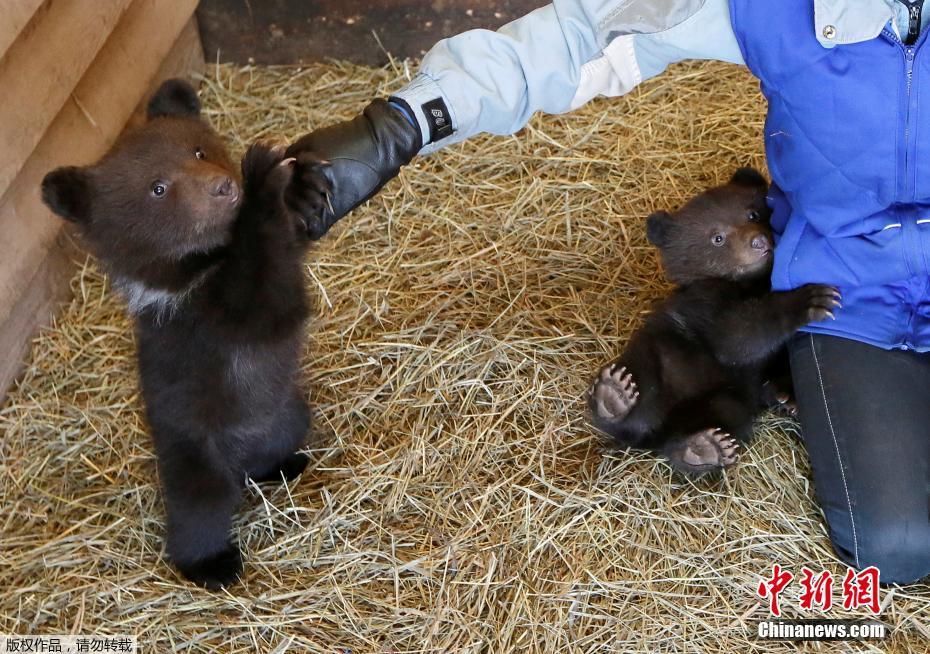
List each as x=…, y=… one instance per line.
x=910, y=53
x=909, y=60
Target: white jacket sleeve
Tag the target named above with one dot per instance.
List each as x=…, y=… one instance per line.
x=556, y=59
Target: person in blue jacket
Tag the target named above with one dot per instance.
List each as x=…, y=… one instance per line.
x=847, y=141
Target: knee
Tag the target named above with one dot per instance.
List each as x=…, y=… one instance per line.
x=900, y=551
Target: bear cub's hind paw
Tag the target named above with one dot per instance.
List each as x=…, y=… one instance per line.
x=217, y=571
x=293, y=465
x=290, y=468
x=613, y=394
x=704, y=451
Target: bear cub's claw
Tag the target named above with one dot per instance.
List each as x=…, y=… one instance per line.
x=704, y=451
x=613, y=394
x=786, y=404
x=820, y=301
x=217, y=571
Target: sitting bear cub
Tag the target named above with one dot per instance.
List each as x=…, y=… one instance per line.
x=702, y=367
x=212, y=272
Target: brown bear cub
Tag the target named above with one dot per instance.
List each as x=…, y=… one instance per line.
x=210, y=264
x=710, y=357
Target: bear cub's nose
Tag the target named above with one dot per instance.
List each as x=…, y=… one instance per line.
x=761, y=242
x=222, y=187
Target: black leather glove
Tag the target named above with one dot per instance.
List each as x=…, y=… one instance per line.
x=364, y=154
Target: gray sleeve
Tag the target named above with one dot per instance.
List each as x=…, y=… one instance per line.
x=556, y=59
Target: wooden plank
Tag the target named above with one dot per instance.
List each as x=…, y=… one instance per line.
x=41, y=68
x=35, y=265
x=14, y=16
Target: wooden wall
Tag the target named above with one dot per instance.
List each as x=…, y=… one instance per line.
x=73, y=73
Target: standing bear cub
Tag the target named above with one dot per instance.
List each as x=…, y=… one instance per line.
x=703, y=366
x=210, y=264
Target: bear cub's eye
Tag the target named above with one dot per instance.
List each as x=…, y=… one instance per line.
x=754, y=216
x=199, y=153
x=719, y=239
x=159, y=189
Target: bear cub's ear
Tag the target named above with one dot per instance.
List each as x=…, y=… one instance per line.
x=174, y=97
x=66, y=191
x=748, y=177
x=658, y=226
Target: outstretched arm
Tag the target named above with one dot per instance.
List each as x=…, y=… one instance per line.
x=259, y=289
x=558, y=58
x=553, y=60
x=751, y=331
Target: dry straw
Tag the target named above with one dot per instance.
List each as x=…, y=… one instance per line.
x=457, y=501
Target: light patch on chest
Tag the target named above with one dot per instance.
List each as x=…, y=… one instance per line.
x=242, y=367
x=140, y=298
x=680, y=322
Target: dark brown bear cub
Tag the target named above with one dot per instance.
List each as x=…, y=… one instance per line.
x=700, y=369
x=211, y=269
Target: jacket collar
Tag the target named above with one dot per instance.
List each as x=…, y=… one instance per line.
x=850, y=21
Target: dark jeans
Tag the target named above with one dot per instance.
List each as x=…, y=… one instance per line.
x=865, y=417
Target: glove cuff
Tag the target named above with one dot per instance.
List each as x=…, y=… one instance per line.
x=397, y=140
x=426, y=103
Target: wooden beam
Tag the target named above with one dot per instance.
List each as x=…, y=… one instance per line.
x=42, y=66
x=35, y=266
x=14, y=16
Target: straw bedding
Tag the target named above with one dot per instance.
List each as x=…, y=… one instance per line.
x=457, y=501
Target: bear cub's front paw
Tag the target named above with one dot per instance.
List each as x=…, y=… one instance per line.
x=816, y=302
x=216, y=571
x=612, y=395
x=308, y=194
x=262, y=169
